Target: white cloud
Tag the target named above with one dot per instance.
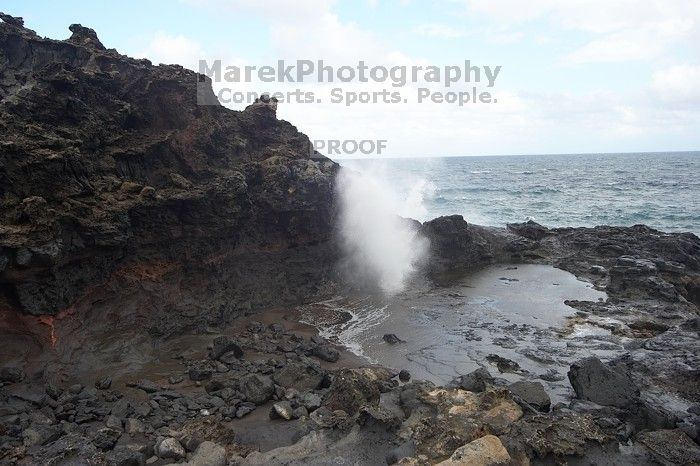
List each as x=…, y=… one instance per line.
x=519, y=123
x=438, y=30
x=172, y=49
x=678, y=84
x=618, y=30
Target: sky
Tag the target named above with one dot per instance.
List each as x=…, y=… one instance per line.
x=577, y=76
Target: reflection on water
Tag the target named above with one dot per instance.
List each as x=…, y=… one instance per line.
x=515, y=312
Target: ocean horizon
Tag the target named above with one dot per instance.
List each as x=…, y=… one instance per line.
x=658, y=189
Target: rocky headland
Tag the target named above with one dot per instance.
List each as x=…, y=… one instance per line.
x=152, y=255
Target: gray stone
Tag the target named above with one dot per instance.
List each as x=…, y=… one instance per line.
x=170, y=448
x=257, y=388
x=225, y=344
x=208, y=454
x=326, y=353
x=113, y=422
x=104, y=383
x=310, y=401
x=594, y=381
x=282, y=410
x=134, y=426
x=533, y=393
x=122, y=408
x=106, y=438
x=302, y=377
x=475, y=381
x=125, y=455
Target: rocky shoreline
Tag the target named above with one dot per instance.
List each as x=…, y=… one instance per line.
x=153, y=255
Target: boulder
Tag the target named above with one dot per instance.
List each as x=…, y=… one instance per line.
x=169, y=448
x=326, y=353
x=594, y=381
x=485, y=451
x=282, y=410
x=225, y=344
x=352, y=388
x=530, y=230
x=103, y=383
x=475, y=381
x=106, y=438
x=300, y=376
x=532, y=393
x=257, y=388
x=208, y=454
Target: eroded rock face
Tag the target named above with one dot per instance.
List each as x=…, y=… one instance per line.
x=111, y=173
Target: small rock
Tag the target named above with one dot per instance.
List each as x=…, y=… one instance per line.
x=503, y=364
x=282, y=410
x=391, y=339
x=326, y=353
x=170, y=448
x=134, y=426
x=175, y=379
x=404, y=375
x=310, y=401
x=106, y=438
x=244, y=410
x=145, y=385
x=113, y=422
x=104, y=383
x=125, y=455
x=475, y=381
x=199, y=373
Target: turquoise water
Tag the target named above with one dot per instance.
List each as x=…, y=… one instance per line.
x=661, y=190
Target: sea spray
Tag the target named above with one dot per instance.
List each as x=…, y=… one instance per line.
x=381, y=248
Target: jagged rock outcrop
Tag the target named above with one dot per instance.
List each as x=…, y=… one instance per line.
x=110, y=173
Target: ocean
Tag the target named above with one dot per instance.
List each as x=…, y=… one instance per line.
x=661, y=190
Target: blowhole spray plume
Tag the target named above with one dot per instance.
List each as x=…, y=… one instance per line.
x=380, y=247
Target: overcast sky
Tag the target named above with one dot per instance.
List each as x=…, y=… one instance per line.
x=577, y=76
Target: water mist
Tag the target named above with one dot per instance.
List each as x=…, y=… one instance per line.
x=381, y=248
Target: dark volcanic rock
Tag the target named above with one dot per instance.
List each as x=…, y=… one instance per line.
x=110, y=171
x=475, y=381
x=594, y=381
x=456, y=244
x=671, y=447
x=225, y=344
x=391, y=339
x=257, y=388
x=352, y=388
x=533, y=393
x=530, y=229
x=326, y=353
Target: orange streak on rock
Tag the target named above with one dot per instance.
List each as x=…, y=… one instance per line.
x=50, y=321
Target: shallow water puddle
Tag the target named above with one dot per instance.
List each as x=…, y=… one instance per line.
x=515, y=312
